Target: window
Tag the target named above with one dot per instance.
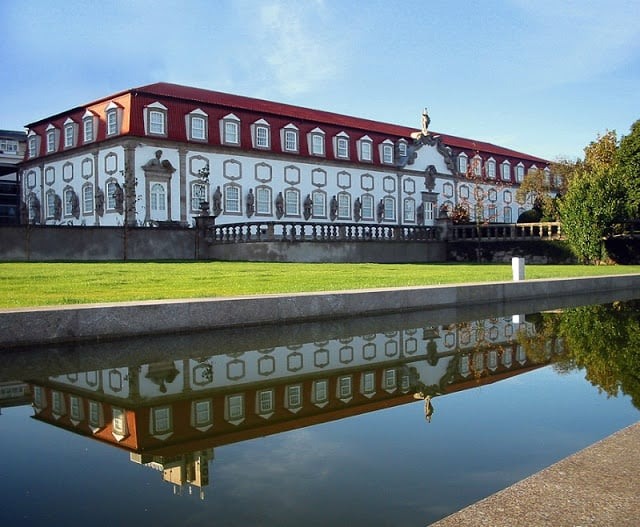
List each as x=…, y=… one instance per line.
x=112, y=122
x=158, y=197
x=390, y=379
x=507, y=215
x=265, y=402
x=33, y=146
x=232, y=199
x=201, y=413
x=368, y=383
x=291, y=202
x=344, y=206
x=290, y=139
x=344, y=387
x=293, y=400
x=462, y=163
x=111, y=195
x=319, y=200
x=69, y=134
x=365, y=147
x=519, y=172
x=320, y=392
x=506, y=171
x=263, y=201
x=389, y=208
x=8, y=146
x=69, y=200
x=429, y=208
x=367, y=207
x=161, y=420
x=75, y=408
x=57, y=403
x=87, y=199
x=51, y=140
x=198, y=195
x=262, y=137
x=342, y=146
x=197, y=123
x=491, y=169
x=198, y=128
x=387, y=153
x=409, y=208
x=156, y=122
x=402, y=148
x=51, y=204
x=316, y=142
x=96, y=418
x=476, y=163
x=234, y=407
x=231, y=130
x=119, y=421
x=88, y=134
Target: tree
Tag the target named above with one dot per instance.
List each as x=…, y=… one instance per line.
x=537, y=184
x=628, y=159
x=594, y=203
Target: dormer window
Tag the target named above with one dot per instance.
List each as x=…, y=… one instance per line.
x=341, y=146
x=365, y=148
x=505, y=169
x=113, y=115
x=156, y=119
x=316, y=142
x=230, y=130
x=52, y=139
x=197, y=125
x=88, y=127
x=463, y=163
x=519, y=172
x=290, y=138
x=476, y=164
x=402, y=148
x=32, y=145
x=69, y=133
x=261, y=134
x=386, y=152
x=491, y=168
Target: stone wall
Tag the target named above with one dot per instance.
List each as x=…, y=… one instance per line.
x=534, y=251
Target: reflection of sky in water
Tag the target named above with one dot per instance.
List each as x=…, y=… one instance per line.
x=388, y=467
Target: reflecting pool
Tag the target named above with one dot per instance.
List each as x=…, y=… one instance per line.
x=384, y=421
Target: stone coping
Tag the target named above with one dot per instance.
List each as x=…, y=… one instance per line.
x=72, y=323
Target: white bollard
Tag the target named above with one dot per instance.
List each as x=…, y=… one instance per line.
x=517, y=266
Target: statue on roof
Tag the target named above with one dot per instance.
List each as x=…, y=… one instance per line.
x=424, y=130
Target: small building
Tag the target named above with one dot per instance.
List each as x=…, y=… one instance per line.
x=162, y=153
x=12, y=151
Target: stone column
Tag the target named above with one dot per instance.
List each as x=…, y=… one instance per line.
x=130, y=182
x=182, y=170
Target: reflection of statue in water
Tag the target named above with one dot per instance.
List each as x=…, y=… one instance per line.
x=428, y=407
x=357, y=209
x=307, y=207
x=217, y=202
x=250, y=203
x=279, y=205
x=334, y=208
x=162, y=373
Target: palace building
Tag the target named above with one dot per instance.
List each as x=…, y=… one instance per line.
x=152, y=155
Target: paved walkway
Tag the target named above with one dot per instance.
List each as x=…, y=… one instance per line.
x=598, y=486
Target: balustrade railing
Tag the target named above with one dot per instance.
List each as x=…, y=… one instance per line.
x=321, y=232
x=514, y=231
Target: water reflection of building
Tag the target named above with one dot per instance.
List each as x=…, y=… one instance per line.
x=170, y=415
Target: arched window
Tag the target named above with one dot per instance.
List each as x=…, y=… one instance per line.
x=199, y=193
x=292, y=202
x=389, y=208
x=367, y=207
x=87, y=198
x=158, y=197
x=344, y=206
x=232, y=199
x=319, y=199
x=263, y=201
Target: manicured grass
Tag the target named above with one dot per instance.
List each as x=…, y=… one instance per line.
x=38, y=284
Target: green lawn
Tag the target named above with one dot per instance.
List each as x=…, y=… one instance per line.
x=37, y=284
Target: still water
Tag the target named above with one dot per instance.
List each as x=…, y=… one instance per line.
x=385, y=421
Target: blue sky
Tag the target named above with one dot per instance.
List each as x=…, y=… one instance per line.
x=539, y=76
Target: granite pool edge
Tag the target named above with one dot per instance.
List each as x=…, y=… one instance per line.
x=36, y=326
